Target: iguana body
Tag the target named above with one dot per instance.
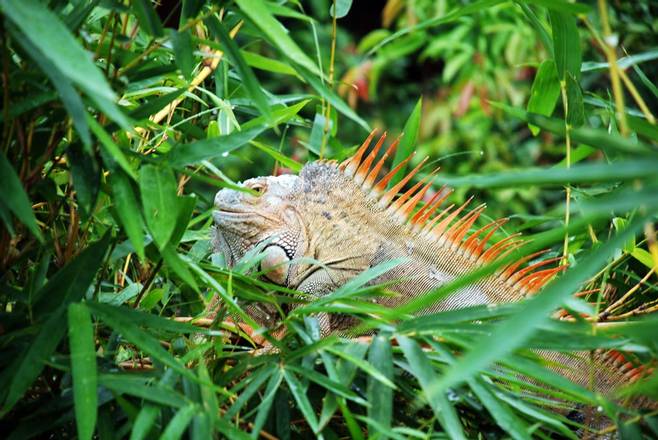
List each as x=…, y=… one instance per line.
x=344, y=217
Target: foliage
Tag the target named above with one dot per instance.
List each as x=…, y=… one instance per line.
x=121, y=120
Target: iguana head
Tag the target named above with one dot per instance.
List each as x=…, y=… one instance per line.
x=263, y=213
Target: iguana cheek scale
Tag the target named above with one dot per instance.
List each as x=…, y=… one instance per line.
x=344, y=217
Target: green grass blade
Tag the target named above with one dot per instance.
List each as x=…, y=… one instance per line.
x=262, y=16
x=299, y=393
x=178, y=424
x=380, y=396
x=158, y=188
x=144, y=422
x=83, y=369
x=14, y=197
x=408, y=141
x=422, y=369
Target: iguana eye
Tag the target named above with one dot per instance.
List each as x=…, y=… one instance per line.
x=259, y=188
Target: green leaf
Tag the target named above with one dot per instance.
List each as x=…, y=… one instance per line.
x=299, y=393
x=278, y=156
x=544, y=93
x=261, y=15
x=266, y=402
x=144, y=422
x=116, y=319
x=408, y=141
x=67, y=93
x=566, y=43
x=147, y=17
x=261, y=62
x=581, y=173
x=45, y=31
x=342, y=8
x=110, y=147
x=128, y=210
x=536, y=311
x=597, y=138
x=83, y=369
x=144, y=388
x=66, y=286
x=249, y=80
x=379, y=395
x=176, y=263
x=183, y=52
x=176, y=427
x=14, y=198
x=422, y=369
x=160, y=202
x=208, y=149
x=560, y=5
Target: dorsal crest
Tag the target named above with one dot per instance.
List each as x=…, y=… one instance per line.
x=452, y=225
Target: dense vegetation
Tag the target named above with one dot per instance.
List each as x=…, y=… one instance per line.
x=121, y=119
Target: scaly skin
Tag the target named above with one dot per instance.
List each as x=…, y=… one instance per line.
x=338, y=216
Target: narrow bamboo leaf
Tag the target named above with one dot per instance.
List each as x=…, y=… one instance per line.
x=544, y=93
x=249, y=80
x=57, y=44
x=363, y=365
x=340, y=8
x=14, y=197
x=67, y=93
x=183, y=52
x=299, y=393
x=324, y=381
x=66, y=286
x=566, y=43
x=147, y=17
x=176, y=263
x=114, y=317
x=178, y=424
x=576, y=109
x=83, y=369
x=278, y=156
x=160, y=202
x=536, y=311
x=582, y=173
x=86, y=173
x=422, y=369
x=609, y=142
x=568, y=59
x=560, y=6
x=142, y=387
x=149, y=320
x=540, y=28
x=266, y=402
x=332, y=97
x=110, y=147
x=128, y=210
x=256, y=380
x=261, y=15
x=379, y=395
x=502, y=414
x=144, y=422
x=208, y=149
x=258, y=61
x=408, y=141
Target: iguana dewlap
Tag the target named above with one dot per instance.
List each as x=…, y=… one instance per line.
x=343, y=216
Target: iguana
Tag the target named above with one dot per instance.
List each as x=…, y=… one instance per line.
x=345, y=217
